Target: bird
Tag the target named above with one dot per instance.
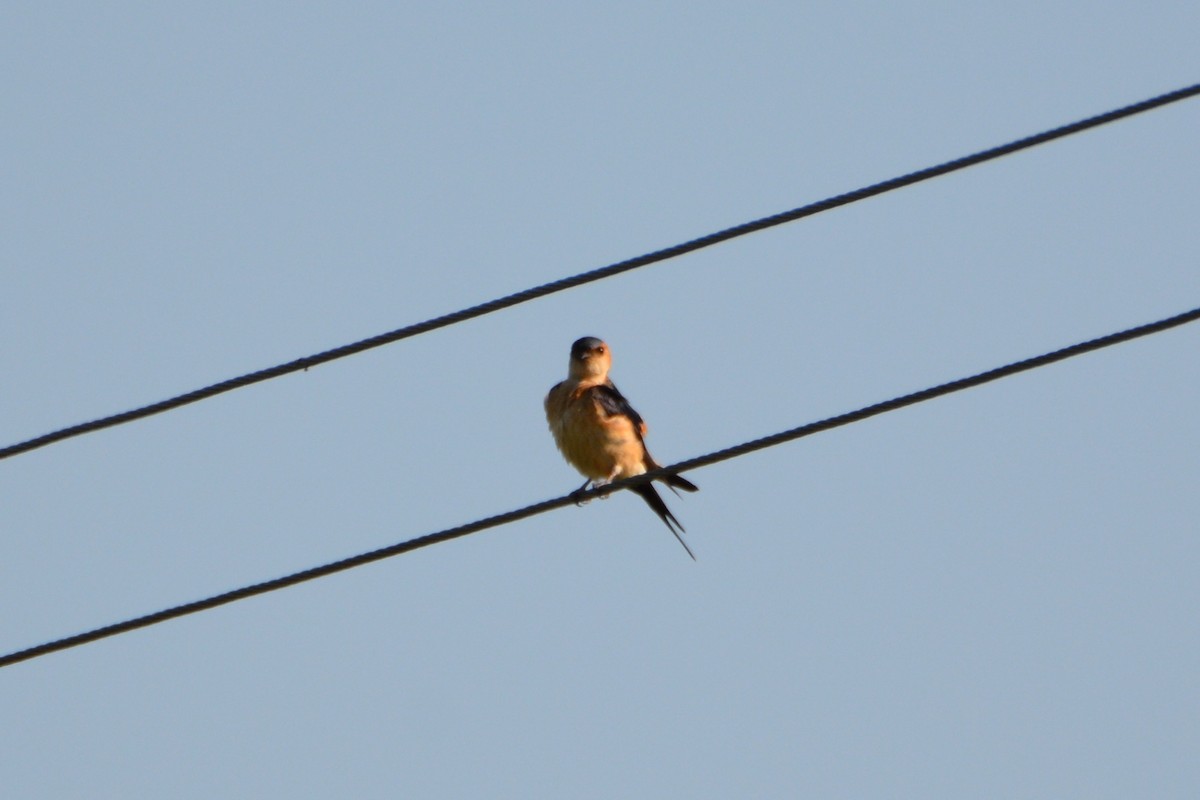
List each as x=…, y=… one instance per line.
x=601, y=435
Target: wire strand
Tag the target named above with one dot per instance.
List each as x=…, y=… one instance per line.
x=563, y=284
x=558, y=502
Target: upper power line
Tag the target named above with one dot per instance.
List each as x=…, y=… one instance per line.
x=596, y=274
x=558, y=502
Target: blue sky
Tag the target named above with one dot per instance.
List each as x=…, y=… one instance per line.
x=992, y=594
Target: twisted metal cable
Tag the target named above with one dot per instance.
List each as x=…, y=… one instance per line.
x=754, y=226
x=568, y=499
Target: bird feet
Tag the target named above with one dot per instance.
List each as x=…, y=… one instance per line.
x=580, y=499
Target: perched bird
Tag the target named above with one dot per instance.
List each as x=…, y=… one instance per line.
x=600, y=434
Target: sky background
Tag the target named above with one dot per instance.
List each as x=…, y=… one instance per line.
x=991, y=595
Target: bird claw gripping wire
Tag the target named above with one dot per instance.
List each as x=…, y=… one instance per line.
x=581, y=499
x=578, y=495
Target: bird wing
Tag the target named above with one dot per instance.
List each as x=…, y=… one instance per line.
x=614, y=404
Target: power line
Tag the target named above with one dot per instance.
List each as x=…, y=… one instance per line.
x=558, y=502
x=595, y=274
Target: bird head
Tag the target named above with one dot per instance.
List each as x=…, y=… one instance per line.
x=590, y=359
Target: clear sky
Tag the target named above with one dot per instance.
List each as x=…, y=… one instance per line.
x=990, y=595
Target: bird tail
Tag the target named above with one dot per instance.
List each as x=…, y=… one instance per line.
x=673, y=481
x=652, y=498
x=680, y=482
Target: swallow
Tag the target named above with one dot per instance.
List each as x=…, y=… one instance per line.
x=601, y=435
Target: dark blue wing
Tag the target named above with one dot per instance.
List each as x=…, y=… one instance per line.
x=614, y=404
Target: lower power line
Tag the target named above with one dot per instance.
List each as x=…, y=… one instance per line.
x=569, y=499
